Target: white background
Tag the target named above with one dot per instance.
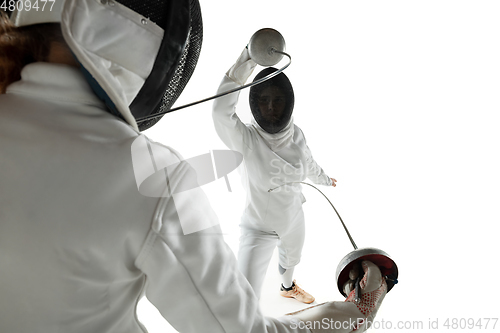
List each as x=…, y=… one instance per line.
x=399, y=101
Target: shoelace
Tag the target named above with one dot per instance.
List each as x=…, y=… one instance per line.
x=298, y=291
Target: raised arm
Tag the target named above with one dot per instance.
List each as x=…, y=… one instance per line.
x=227, y=124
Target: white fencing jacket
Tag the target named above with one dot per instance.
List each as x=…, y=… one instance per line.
x=79, y=245
x=265, y=168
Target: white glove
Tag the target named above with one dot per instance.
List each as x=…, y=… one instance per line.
x=346, y=317
x=242, y=68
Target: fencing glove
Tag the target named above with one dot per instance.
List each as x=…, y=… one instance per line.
x=348, y=316
x=242, y=68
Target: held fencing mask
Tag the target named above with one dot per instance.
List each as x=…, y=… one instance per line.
x=271, y=102
x=139, y=53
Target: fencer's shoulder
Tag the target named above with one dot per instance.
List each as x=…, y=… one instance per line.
x=296, y=128
x=159, y=170
x=154, y=149
x=298, y=133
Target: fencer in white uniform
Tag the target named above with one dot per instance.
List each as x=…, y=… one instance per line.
x=79, y=243
x=275, y=153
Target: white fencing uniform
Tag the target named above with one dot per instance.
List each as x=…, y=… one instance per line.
x=270, y=218
x=79, y=245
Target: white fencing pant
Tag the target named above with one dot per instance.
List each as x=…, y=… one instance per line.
x=256, y=248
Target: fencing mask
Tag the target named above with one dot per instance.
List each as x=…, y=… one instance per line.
x=271, y=102
x=138, y=54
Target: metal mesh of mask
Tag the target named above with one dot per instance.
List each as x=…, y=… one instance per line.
x=281, y=81
x=177, y=57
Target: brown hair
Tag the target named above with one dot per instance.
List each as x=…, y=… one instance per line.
x=20, y=46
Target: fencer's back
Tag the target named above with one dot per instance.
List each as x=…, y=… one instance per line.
x=71, y=218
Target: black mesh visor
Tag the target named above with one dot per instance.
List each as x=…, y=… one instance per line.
x=275, y=123
x=177, y=58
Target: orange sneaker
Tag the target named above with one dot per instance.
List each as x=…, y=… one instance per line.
x=298, y=293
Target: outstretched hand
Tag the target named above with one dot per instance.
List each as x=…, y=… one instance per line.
x=351, y=315
x=334, y=182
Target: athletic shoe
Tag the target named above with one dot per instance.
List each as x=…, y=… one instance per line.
x=298, y=293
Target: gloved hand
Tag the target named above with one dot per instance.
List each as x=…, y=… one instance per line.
x=346, y=317
x=242, y=68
